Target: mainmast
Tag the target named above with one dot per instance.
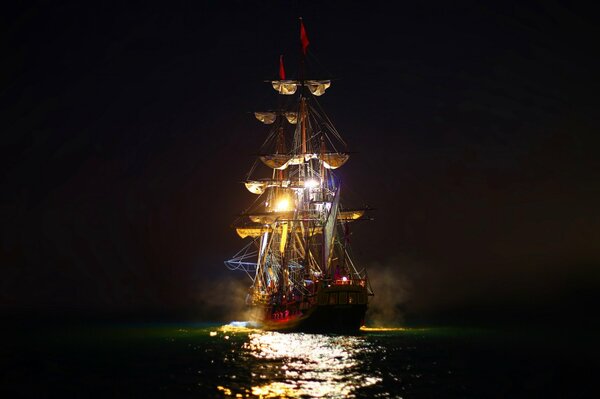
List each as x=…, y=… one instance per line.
x=302, y=73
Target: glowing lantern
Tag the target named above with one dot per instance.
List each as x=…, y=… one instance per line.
x=283, y=205
x=311, y=183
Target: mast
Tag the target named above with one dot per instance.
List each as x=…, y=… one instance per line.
x=303, y=123
x=302, y=71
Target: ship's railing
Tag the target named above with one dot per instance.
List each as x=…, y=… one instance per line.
x=345, y=281
x=348, y=281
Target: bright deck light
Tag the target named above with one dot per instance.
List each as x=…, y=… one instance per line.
x=311, y=183
x=282, y=205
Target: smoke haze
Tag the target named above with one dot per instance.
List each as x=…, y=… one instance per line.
x=392, y=291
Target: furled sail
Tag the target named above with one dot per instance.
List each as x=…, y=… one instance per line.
x=299, y=159
x=258, y=230
x=264, y=218
x=270, y=217
x=266, y=117
x=318, y=87
x=334, y=160
x=252, y=231
x=292, y=117
x=276, y=161
x=281, y=161
x=285, y=87
x=256, y=187
x=289, y=87
x=329, y=229
x=269, y=117
x=350, y=215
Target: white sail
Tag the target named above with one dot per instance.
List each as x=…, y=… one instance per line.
x=329, y=230
x=256, y=187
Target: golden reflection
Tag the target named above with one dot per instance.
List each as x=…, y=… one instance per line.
x=307, y=365
x=383, y=329
x=226, y=391
x=375, y=329
x=232, y=328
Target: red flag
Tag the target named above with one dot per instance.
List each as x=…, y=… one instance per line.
x=303, y=37
x=281, y=70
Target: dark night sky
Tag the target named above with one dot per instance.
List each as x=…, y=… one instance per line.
x=126, y=132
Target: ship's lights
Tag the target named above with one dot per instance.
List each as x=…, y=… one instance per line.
x=283, y=205
x=311, y=183
x=385, y=329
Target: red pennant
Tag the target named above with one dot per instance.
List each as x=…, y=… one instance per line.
x=281, y=69
x=303, y=37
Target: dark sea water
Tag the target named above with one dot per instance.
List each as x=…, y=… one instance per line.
x=228, y=361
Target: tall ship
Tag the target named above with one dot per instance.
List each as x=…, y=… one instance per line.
x=298, y=255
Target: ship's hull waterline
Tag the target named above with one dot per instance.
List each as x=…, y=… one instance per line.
x=336, y=310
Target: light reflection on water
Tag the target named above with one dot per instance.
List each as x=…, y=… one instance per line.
x=308, y=365
x=305, y=365
x=232, y=362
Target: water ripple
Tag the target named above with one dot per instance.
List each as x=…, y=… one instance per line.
x=309, y=365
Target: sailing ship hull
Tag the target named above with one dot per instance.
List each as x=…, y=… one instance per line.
x=334, y=309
